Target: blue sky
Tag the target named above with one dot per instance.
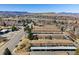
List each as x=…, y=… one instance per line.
x=40, y=7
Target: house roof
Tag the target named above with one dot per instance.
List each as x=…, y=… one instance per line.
x=46, y=28
x=53, y=42
x=58, y=47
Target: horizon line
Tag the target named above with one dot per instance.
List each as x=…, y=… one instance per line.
x=39, y=12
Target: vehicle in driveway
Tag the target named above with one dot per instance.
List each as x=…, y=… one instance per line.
x=4, y=31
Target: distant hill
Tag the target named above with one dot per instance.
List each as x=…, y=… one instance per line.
x=69, y=13
x=12, y=13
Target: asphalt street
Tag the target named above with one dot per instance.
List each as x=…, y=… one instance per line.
x=12, y=42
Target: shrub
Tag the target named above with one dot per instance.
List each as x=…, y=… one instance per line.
x=14, y=28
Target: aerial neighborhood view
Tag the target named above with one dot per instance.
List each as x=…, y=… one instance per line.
x=39, y=29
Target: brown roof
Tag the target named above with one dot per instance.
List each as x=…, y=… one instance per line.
x=59, y=36
x=46, y=28
x=54, y=42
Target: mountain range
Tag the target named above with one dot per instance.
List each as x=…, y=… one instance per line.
x=14, y=13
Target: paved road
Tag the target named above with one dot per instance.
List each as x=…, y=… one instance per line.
x=12, y=42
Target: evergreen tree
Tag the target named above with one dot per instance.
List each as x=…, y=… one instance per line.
x=7, y=52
